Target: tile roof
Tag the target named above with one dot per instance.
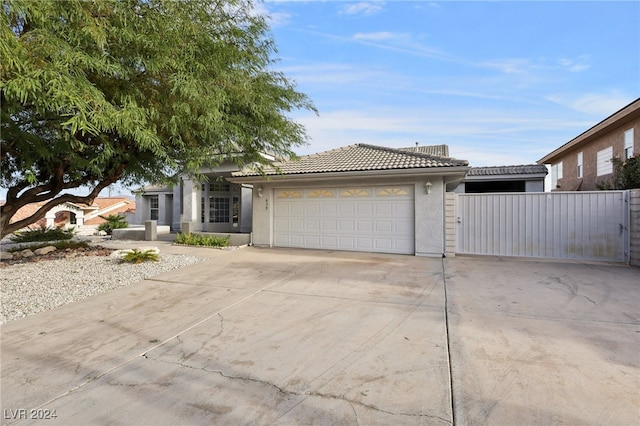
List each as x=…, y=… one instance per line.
x=527, y=169
x=358, y=157
x=99, y=204
x=439, y=150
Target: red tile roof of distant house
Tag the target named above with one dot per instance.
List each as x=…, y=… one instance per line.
x=101, y=206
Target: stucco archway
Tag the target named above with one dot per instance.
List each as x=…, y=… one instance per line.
x=65, y=207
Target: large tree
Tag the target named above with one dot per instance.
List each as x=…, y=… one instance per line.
x=135, y=91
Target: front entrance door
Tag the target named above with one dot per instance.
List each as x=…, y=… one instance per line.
x=223, y=206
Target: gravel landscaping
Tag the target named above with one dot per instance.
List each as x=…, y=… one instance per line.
x=35, y=286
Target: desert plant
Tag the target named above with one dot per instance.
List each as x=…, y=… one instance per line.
x=42, y=233
x=60, y=245
x=138, y=256
x=113, y=221
x=202, y=240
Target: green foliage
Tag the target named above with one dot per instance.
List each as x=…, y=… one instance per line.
x=136, y=91
x=138, y=256
x=113, y=221
x=42, y=233
x=60, y=245
x=626, y=173
x=202, y=240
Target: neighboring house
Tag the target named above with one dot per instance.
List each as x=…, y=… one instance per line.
x=584, y=163
x=214, y=206
x=357, y=198
x=78, y=215
x=524, y=178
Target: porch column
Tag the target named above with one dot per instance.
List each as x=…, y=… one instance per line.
x=191, y=204
x=178, y=202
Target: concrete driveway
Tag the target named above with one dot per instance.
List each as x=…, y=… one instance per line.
x=261, y=336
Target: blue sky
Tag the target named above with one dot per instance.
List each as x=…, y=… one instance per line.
x=501, y=83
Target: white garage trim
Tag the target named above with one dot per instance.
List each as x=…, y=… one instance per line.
x=355, y=218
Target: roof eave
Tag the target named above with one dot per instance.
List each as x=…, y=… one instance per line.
x=523, y=176
x=424, y=171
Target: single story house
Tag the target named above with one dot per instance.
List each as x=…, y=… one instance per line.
x=584, y=163
x=78, y=215
x=522, y=178
x=358, y=198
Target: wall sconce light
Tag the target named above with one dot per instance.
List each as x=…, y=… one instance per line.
x=427, y=187
x=259, y=191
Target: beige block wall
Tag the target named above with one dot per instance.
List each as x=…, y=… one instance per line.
x=450, y=223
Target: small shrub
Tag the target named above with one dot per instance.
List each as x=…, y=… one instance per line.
x=60, y=245
x=42, y=233
x=137, y=256
x=202, y=240
x=626, y=172
x=113, y=221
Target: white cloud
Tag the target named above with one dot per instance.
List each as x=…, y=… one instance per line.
x=581, y=63
x=336, y=74
x=597, y=104
x=274, y=19
x=484, y=137
x=365, y=8
x=509, y=66
x=379, y=36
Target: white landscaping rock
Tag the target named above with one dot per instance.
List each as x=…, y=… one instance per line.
x=33, y=287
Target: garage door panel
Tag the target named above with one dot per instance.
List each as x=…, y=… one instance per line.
x=383, y=244
x=365, y=244
x=312, y=209
x=296, y=225
x=346, y=225
x=312, y=241
x=384, y=226
x=312, y=225
x=347, y=243
x=364, y=225
x=363, y=208
x=403, y=227
x=384, y=209
x=330, y=208
x=346, y=209
x=329, y=241
x=404, y=209
x=403, y=246
x=329, y=225
x=359, y=219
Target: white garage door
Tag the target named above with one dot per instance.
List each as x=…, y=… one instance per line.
x=376, y=219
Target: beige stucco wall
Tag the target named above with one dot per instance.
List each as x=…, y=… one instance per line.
x=429, y=208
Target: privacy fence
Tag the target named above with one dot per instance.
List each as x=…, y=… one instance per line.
x=601, y=225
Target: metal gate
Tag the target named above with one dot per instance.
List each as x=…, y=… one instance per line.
x=570, y=225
